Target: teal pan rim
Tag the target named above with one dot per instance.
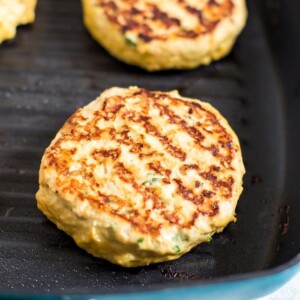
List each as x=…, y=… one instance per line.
x=234, y=287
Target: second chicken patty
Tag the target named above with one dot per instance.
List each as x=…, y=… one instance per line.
x=173, y=34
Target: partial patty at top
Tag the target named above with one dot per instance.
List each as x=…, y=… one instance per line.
x=14, y=13
x=167, y=34
x=138, y=177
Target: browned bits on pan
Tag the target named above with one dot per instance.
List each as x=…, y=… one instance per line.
x=173, y=274
x=256, y=179
x=128, y=16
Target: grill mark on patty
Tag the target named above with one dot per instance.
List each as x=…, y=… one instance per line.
x=141, y=148
x=207, y=26
x=174, y=119
x=187, y=193
x=128, y=17
x=134, y=217
x=224, y=138
x=214, y=209
x=152, y=130
x=224, y=185
x=147, y=193
x=212, y=10
x=197, y=184
x=212, y=3
x=208, y=194
x=183, y=169
x=159, y=169
x=163, y=17
x=112, y=153
x=171, y=217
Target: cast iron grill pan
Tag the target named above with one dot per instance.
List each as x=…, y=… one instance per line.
x=54, y=67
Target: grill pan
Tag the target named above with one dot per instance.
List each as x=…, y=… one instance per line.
x=54, y=67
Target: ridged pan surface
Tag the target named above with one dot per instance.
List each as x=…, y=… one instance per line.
x=52, y=68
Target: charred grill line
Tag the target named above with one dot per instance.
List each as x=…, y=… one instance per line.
x=112, y=153
x=141, y=148
x=147, y=194
x=174, y=119
x=212, y=8
x=164, y=18
x=226, y=185
x=157, y=167
x=133, y=217
x=188, y=194
x=152, y=130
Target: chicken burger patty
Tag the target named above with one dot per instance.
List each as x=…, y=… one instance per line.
x=139, y=177
x=167, y=34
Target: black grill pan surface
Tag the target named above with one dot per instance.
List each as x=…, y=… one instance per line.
x=52, y=68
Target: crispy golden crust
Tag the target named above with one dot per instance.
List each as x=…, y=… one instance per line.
x=149, y=32
x=152, y=161
x=14, y=13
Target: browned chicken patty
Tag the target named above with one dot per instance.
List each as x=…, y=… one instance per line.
x=141, y=176
x=164, y=34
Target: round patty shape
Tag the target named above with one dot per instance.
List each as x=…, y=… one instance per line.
x=14, y=13
x=165, y=34
x=139, y=177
